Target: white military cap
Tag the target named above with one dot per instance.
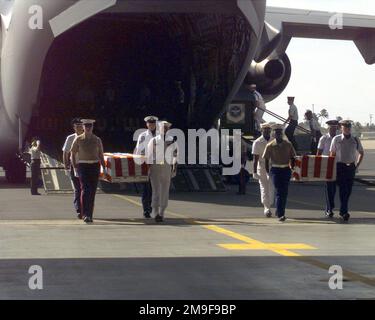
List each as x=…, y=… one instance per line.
x=347, y=123
x=332, y=122
x=165, y=123
x=277, y=126
x=151, y=119
x=87, y=121
x=266, y=125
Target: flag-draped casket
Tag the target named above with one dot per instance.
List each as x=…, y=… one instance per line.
x=315, y=168
x=124, y=167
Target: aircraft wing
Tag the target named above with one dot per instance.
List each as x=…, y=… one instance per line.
x=324, y=25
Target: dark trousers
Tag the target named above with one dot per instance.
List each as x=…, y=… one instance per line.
x=314, y=142
x=289, y=132
x=89, y=178
x=345, y=180
x=242, y=181
x=35, y=175
x=330, y=196
x=77, y=190
x=147, y=197
x=281, y=178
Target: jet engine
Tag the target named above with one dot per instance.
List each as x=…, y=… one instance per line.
x=270, y=75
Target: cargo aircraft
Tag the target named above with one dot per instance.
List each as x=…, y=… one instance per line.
x=119, y=60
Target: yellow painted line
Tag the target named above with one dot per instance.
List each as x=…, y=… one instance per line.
x=347, y=273
x=266, y=246
x=308, y=260
x=280, y=249
x=276, y=248
x=140, y=205
x=295, y=201
x=58, y=223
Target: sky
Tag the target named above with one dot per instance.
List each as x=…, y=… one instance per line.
x=330, y=74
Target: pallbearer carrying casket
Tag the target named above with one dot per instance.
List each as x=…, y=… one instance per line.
x=162, y=157
x=142, y=144
x=349, y=153
x=89, y=149
x=323, y=149
x=280, y=153
x=259, y=170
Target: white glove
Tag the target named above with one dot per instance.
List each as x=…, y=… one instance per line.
x=256, y=176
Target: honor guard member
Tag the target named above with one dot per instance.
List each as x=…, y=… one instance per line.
x=349, y=154
x=280, y=153
x=89, y=149
x=140, y=149
x=35, y=166
x=293, y=122
x=259, y=169
x=324, y=146
x=162, y=157
x=78, y=130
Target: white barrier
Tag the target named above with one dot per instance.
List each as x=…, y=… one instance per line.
x=368, y=135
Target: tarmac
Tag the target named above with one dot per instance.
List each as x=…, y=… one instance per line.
x=211, y=246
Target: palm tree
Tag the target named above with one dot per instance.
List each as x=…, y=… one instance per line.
x=323, y=114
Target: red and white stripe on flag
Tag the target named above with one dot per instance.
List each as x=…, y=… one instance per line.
x=315, y=168
x=121, y=167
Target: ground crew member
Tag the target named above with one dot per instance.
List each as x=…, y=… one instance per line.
x=315, y=131
x=293, y=122
x=281, y=155
x=35, y=166
x=162, y=157
x=140, y=149
x=349, y=154
x=89, y=148
x=78, y=130
x=259, y=170
x=323, y=149
x=258, y=106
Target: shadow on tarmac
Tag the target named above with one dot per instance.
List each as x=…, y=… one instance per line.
x=181, y=222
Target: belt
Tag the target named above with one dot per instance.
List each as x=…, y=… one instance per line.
x=88, y=161
x=347, y=164
x=280, y=165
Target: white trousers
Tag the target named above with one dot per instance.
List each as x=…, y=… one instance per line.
x=267, y=194
x=160, y=177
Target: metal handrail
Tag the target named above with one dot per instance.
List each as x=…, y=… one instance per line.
x=284, y=120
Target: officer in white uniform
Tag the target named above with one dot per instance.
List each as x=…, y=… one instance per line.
x=140, y=149
x=78, y=130
x=349, y=154
x=323, y=149
x=259, y=170
x=293, y=122
x=259, y=106
x=162, y=157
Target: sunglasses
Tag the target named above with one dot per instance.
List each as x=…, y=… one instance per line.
x=88, y=125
